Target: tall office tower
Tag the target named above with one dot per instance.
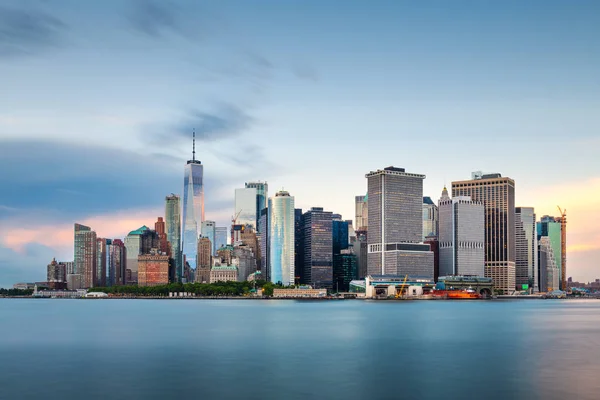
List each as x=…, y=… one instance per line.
x=361, y=212
x=138, y=242
x=550, y=227
x=461, y=236
x=498, y=196
x=101, y=258
x=563, y=248
x=299, y=247
x=430, y=218
x=360, y=250
x=262, y=192
x=85, y=255
x=205, y=256
x=281, y=238
x=250, y=239
x=220, y=237
x=395, y=227
x=163, y=243
x=339, y=234
x=526, y=257
x=173, y=227
x=117, y=262
x=245, y=206
x=193, y=207
x=56, y=275
x=434, y=246
x=345, y=269
x=245, y=260
x=263, y=239
x=208, y=231
x=318, y=252
x=549, y=271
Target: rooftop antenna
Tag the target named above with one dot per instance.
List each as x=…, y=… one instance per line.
x=194, y=145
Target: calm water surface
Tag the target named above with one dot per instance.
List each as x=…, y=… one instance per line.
x=237, y=349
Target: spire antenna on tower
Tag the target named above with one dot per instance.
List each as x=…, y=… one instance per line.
x=194, y=145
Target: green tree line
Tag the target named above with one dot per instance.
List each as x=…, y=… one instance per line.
x=15, y=292
x=199, y=289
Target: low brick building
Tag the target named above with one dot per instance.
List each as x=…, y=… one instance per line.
x=153, y=269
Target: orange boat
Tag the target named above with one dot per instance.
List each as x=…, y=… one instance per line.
x=467, y=294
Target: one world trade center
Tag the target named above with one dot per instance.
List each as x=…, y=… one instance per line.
x=193, y=207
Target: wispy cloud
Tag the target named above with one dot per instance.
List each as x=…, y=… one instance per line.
x=222, y=122
x=28, y=31
x=156, y=19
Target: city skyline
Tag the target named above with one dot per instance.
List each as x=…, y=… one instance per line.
x=435, y=97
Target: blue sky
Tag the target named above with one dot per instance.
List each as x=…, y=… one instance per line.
x=98, y=101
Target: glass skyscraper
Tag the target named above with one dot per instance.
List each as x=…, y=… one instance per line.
x=193, y=207
x=208, y=231
x=246, y=206
x=220, y=237
x=526, y=257
x=173, y=226
x=281, y=238
x=262, y=191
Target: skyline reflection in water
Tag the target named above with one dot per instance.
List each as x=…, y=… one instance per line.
x=154, y=349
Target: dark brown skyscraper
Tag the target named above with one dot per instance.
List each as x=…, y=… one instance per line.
x=163, y=244
x=498, y=196
x=85, y=255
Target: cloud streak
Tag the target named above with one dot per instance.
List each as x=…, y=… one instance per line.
x=223, y=122
x=26, y=32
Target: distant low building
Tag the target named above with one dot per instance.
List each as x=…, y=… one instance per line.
x=301, y=292
x=24, y=286
x=223, y=274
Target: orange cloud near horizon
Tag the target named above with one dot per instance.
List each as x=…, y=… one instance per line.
x=61, y=236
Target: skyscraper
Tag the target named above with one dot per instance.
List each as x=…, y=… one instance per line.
x=549, y=271
x=526, y=257
x=281, y=238
x=395, y=230
x=361, y=212
x=299, y=246
x=551, y=228
x=262, y=194
x=430, y=218
x=85, y=255
x=117, y=263
x=498, y=196
x=245, y=207
x=208, y=231
x=220, y=237
x=173, y=228
x=56, y=276
x=193, y=206
x=138, y=242
x=263, y=239
x=205, y=255
x=461, y=236
x=101, y=261
x=318, y=248
x=345, y=269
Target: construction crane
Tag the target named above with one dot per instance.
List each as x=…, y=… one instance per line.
x=563, y=247
x=398, y=295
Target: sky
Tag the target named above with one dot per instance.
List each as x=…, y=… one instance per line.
x=98, y=101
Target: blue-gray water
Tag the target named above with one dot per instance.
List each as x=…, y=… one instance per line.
x=230, y=349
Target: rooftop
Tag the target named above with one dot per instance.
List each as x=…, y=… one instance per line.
x=139, y=231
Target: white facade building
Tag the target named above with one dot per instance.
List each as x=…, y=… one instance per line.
x=461, y=236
